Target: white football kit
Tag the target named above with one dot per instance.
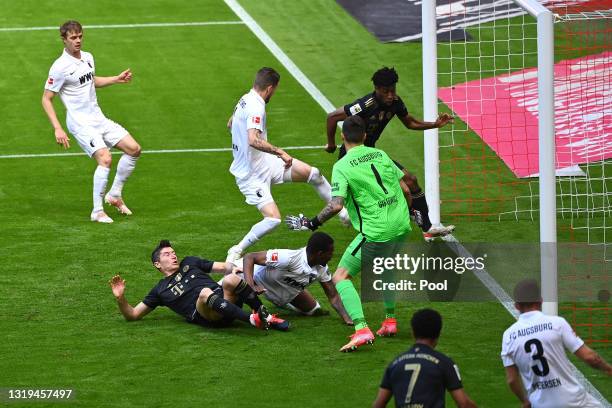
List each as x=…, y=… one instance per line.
x=536, y=345
x=73, y=79
x=286, y=274
x=254, y=170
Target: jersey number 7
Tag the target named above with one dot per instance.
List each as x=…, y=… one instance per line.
x=415, y=370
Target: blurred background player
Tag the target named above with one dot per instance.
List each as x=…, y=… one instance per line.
x=258, y=164
x=377, y=109
x=188, y=290
x=420, y=376
x=371, y=185
x=533, y=349
x=283, y=275
x=73, y=77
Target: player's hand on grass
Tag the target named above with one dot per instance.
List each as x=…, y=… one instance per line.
x=125, y=76
x=286, y=158
x=117, y=285
x=299, y=223
x=443, y=120
x=62, y=138
x=349, y=322
x=258, y=289
x=330, y=148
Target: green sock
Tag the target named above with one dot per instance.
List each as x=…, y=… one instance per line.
x=352, y=303
x=389, y=312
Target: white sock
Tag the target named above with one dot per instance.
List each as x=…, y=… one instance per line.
x=125, y=167
x=100, y=179
x=320, y=183
x=257, y=231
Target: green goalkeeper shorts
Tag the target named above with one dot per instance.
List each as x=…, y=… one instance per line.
x=351, y=259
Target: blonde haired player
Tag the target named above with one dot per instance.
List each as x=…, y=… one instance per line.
x=73, y=77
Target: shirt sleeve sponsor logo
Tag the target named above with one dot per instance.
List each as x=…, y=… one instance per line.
x=50, y=81
x=355, y=109
x=256, y=120
x=274, y=257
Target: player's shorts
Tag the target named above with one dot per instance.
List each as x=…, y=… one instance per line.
x=93, y=138
x=256, y=188
x=197, y=318
x=277, y=291
x=360, y=248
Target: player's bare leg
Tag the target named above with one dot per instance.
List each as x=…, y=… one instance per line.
x=420, y=210
x=271, y=220
x=306, y=304
x=100, y=179
x=302, y=172
x=125, y=167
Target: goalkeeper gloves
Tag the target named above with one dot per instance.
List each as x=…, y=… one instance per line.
x=302, y=223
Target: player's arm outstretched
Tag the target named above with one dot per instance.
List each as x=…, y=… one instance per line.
x=590, y=356
x=256, y=142
x=130, y=313
x=302, y=223
x=332, y=123
x=334, y=299
x=248, y=266
x=416, y=124
x=122, y=78
x=60, y=135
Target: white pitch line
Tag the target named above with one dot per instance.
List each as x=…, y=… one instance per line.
x=144, y=25
x=208, y=150
x=486, y=279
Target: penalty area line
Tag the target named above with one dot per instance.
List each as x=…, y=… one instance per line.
x=163, y=151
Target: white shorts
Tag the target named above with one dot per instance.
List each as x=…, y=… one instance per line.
x=276, y=293
x=105, y=135
x=256, y=189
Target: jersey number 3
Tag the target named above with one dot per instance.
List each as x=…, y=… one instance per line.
x=539, y=356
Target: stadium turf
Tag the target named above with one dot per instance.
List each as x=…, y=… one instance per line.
x=59, y=322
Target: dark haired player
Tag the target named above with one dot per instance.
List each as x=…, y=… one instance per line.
x=283, y=276
x=258, y=164
x=377, y=109
x=533, y=349
x=188, y=290
x=420, y=376
x=371, y=185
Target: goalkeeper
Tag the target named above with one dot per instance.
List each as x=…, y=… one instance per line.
x=369, y=184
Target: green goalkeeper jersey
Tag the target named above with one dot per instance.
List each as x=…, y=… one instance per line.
x=368, y=180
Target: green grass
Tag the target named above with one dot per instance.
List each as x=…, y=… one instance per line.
x=60, y=324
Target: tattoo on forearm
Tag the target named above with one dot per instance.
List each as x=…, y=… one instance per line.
x=264, y=146
x=331, y=209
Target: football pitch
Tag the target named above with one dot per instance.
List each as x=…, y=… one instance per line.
x=59, y=321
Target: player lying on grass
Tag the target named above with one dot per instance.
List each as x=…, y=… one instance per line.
x=371, y=185
x=258, y=164
x=283, y=275
x=533, y=349
x=377, y=109
x=420, y=376
x=188, y=290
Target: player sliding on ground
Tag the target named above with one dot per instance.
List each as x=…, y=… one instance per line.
x=533, y=349
x=188, y=290
x=370, y=185
x=73, y=77
x=258, y=164
x=377, y=109
x=283, y=275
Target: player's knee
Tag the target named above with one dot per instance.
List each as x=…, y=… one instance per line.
x=136, y=150
x=231, y=281
x=205, y=294
x=315, y=176
x=104, y=158
x=273, y=222
x=340, y=275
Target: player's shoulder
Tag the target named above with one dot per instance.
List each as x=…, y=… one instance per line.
x=61, y=63
x=87, y=56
